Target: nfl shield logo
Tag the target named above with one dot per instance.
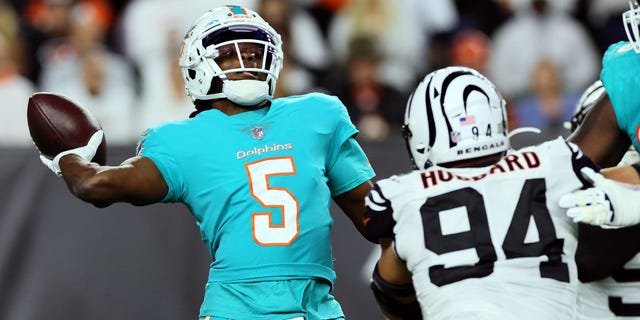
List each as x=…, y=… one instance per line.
x=257, y=132
x=455, y=137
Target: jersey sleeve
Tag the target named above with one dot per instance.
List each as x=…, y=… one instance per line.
x=347, y=166
x=568, y=160
x=579, y=161
x=350, y=169
x=152, y=145
x=378, y=219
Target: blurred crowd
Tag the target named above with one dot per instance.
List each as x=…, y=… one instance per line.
x=119, y=58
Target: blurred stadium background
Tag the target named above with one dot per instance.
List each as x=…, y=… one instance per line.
x=64, y=259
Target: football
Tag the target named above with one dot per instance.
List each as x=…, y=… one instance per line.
x=56, y=123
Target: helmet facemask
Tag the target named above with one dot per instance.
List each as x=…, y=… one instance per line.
x=219, y=40
x=631, y=20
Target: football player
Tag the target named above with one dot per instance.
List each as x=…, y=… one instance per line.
x=257, y=173
x=612, y=125
x=475, y=230
x=599, y=250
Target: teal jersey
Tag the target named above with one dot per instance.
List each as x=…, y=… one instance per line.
x=621, y=78
x=260, y=183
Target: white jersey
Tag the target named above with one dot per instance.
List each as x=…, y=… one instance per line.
x=617, y=296
x=489, y=242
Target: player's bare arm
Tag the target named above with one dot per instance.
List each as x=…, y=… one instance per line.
x=352, y=203
x=392, y=285
x=625, y=174
x=390, y=267
x=137, y=181
x=599, y=136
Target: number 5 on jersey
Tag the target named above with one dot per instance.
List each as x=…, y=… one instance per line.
x=265, y=232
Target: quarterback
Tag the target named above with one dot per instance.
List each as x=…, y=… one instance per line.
x=257, y=172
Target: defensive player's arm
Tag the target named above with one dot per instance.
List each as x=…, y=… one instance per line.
x=392, y=285
x=599, y=135
x=137, y=181
x=609, y=202
x=603, y=251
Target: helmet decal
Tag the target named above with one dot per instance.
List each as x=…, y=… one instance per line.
x=238, y=11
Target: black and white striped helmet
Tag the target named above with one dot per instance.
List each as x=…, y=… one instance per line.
x=454, y=114
x=585, y=103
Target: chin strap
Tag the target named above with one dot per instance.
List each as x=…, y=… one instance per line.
x=246, y=92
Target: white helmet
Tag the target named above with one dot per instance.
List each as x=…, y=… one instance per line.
x=454, y=114
x=631, y=20
x=229, y=26
x=587, y=101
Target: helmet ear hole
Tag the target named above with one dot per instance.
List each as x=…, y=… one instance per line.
x=192, y=74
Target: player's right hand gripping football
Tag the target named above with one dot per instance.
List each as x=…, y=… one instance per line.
x=608, y=204
x=86, y=152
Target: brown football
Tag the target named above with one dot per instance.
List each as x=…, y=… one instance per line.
x=56, y=124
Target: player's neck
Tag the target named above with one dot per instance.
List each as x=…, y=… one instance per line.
x=475, y=162
x=229, y=108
